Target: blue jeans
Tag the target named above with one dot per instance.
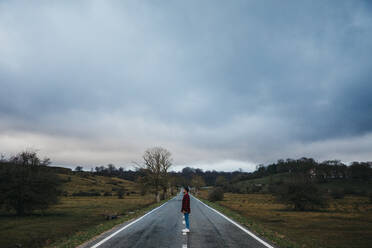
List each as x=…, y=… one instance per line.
x=187, y=220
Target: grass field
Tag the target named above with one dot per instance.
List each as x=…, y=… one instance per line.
x=74, y=218
x=346, y=223
x=74, y=183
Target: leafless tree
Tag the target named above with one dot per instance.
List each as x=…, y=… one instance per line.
x=157, y=161
x=29, y=158
x=197, y=182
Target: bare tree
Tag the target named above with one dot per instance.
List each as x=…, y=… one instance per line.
x=157, y=161
x=29, y=158
x=197, y=182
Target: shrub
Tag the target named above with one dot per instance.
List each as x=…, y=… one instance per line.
x=64, y=193
x=349, y=191
x=338, y=194
x=83, y=193
x=25, y=188
x=216, y=195
x=107, y=194
x=254, y=188
x=302, y=196
x=362, y=192
x=274, y=188
x=121, y=193
x=143, y=190
x=236, y=188
x=162, y=196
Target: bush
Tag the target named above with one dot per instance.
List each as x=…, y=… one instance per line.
x=64, y=193
x=162, y=196
x=235, y=188
x=25, y=188
x=362, y=192
x=254, y=188
x=121, y=193
x=349, y=191
x=83, y=193
x=274, y=188
x=107, y=194
x=302, y=196
x=143, y=190
x=338, y=194
x=216, y=195
x=370, y=197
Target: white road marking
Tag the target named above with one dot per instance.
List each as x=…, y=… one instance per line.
x=236, y=224
x=184, y=246
x=125, y=227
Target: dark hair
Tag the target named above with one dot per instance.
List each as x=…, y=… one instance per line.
x=186, y=188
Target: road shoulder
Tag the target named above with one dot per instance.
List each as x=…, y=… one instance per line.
x=93, y=235
x=266, y=235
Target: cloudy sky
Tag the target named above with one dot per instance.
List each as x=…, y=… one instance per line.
x=221, y=84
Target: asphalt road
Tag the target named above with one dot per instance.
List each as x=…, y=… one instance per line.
x=162, y=228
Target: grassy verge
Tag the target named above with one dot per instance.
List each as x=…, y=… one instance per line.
x=89, y=233
x=71, y=222
x=346, y=223
x=261, y=231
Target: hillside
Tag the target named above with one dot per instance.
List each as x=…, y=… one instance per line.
x=348, y=186
x=86, y=182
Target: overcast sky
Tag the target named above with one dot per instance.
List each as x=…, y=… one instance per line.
x=221, y=84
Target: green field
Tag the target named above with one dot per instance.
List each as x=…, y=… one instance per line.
x=73, y=218
x=346, y=223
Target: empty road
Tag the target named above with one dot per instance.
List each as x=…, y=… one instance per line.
x=162, y=228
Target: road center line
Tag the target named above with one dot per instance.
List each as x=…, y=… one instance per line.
x=125, y=227
x=236, y=224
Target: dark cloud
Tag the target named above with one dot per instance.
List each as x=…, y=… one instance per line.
x=241, y=81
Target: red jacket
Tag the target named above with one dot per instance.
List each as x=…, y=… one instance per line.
x=186, y=203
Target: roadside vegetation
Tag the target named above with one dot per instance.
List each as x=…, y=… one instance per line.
x=301, y=203
x=293, y=203
x=71, y=216
x=345, y=223
x=44, y=206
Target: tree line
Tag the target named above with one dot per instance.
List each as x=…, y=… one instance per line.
x=317, y=171
x=320, y=171
x=27, y=182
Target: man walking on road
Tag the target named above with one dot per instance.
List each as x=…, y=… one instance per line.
x=186, y=208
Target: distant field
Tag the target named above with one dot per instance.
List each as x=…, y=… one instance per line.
x=88, y=183
x=73, y=214
x=347, y=223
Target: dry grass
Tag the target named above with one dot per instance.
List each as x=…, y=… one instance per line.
x=72, y=214
x=75, y=183
x=346, y=223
